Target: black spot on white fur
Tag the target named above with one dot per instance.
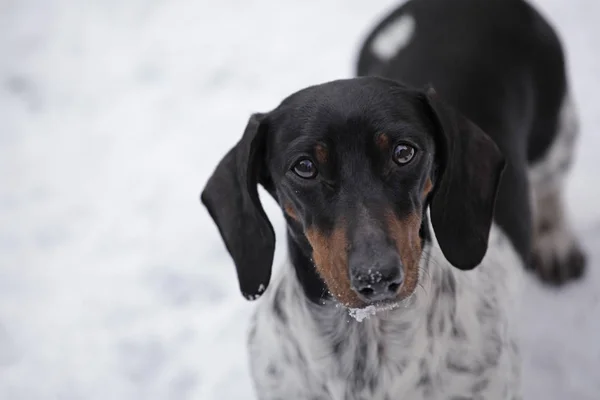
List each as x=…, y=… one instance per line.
x=448, y=283
x=277, y=306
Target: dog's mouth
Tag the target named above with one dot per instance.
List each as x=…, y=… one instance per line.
x=359, y=314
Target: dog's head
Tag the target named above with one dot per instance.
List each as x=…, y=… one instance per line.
x=354, y=164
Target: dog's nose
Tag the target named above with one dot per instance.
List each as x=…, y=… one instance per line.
x=377, y=280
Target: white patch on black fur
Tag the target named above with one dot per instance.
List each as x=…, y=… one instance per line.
x=321, y=352
x=393, y=37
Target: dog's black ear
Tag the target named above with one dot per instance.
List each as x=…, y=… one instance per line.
x=231, y=197
x=464, y=197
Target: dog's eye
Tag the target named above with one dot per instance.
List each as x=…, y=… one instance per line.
x=305, y=169
x=403, y=154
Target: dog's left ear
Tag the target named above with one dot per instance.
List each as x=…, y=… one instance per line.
x=231, y=197
x=464, y=197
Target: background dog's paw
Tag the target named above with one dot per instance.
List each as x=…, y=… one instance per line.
x=558, y=261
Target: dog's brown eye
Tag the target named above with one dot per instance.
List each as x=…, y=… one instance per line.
x=403, y=154
x=305, y=169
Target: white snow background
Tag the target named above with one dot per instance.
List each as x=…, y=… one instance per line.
x=114, y=282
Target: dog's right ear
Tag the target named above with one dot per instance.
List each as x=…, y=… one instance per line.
x=231, y=197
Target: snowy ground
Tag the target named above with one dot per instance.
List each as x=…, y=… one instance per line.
x=114, y=283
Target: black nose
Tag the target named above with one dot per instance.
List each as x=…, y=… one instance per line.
x=377, y=280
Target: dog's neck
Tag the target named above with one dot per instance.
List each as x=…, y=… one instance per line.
x=396, y=337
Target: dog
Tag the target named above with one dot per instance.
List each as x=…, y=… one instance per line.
x=413, y=198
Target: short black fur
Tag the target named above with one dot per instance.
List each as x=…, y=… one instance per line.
x=231, y=197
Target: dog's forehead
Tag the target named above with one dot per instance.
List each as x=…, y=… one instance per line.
x=360, y=105
x=351, y=96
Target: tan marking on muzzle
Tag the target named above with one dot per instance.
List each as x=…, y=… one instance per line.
x=405, y=233
x=330, y=256
x=289, y=210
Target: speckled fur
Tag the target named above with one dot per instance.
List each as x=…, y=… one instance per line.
x=557, y=254
x=452, y=339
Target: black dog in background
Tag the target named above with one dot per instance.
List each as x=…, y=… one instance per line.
x=503, y=67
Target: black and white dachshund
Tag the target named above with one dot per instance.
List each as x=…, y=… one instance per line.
x=411, y=211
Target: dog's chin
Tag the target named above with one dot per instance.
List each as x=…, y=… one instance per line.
x=368, y=310
x=362, y=311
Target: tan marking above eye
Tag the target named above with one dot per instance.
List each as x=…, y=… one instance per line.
x=321, y=153
x=382, y=141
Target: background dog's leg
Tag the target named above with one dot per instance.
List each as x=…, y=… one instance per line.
x=557, y=256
